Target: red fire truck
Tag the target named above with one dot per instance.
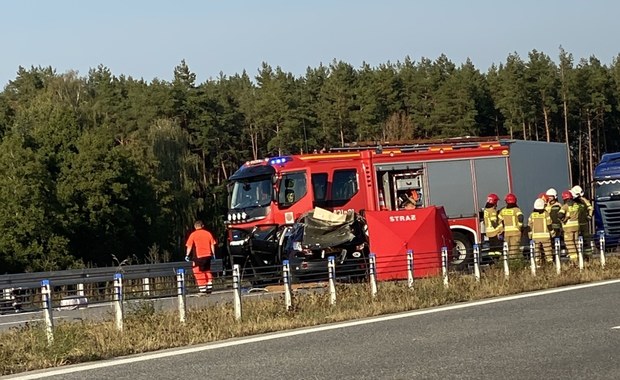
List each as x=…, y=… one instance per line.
x=267, y=196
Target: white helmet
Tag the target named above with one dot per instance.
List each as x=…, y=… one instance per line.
x=577, y=191
x=539, y=204
x=552, y=192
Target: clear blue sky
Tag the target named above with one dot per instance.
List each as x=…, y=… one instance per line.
x=147, y=39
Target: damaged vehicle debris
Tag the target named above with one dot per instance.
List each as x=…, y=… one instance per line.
x=320, y=234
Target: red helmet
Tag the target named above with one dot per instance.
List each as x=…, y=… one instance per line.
x=567, y=195
x=510, y=198
x=492, y=199
x=543, y=196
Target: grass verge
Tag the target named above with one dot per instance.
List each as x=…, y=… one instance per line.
x=147, y=329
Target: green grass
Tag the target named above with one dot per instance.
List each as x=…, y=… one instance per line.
x=147, y=329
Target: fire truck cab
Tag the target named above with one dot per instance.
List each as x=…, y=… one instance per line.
x=267, y=196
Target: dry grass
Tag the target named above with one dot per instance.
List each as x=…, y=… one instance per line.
x=147, y=329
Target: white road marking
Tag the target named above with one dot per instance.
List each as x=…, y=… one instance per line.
x=616, y=327
x=302, y=331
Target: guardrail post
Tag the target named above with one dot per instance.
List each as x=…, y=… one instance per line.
x=580, y=252
x=181, y=294
x=331, y=275
x=477, y=262
x=444, y=265
x=372, y=260
x=236, y=277
x=410, y=268
x=146, y=285
x=505, y=257
x=558, y=265
x=7, y=294
x=46, y=300
x=80, y=290
x=533, y=257
x=118, y=300
x=286, y=277
x=601, y=248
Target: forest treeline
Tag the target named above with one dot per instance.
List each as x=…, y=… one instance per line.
x=101, y=168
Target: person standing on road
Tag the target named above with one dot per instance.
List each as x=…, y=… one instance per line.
x=512, y=218
x=539, y=224
x=202, y=243
x=569, y=213
x=492, y=225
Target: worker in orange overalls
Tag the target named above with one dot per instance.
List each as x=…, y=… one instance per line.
x=512, y=218
x=202, y=243
x=569, y=214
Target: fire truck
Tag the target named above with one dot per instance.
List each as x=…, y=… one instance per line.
x=266, y=196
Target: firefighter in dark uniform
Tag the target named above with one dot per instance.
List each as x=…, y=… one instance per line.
x=512, y=218
x=493, y=226
x=553, y=208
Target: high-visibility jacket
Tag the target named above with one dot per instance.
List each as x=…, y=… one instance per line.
x=585, y=210
x=513, y=220
x=569, y=213
x=492, y=224
x=539, y=223
x=554, y=212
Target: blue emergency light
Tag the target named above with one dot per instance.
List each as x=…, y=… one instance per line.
x=279, y=160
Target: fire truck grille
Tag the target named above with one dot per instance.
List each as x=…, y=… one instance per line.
x=611, y=217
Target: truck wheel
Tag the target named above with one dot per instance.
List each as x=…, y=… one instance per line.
x=463, y=250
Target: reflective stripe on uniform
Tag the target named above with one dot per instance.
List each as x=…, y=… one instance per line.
x=570, y=215
x=539, y=222
x=490, y=218
x=510, y=216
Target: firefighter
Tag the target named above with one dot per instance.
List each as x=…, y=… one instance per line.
x=585, y=213
x=569, y=214
x=512, y=219
x=540, y=225
x=553, y=208
x=203, y=244
x=493, y=226
x=543, y=196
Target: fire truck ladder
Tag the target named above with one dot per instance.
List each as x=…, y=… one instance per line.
x=421, y=145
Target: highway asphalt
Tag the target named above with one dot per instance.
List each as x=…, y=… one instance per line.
x=565, y=333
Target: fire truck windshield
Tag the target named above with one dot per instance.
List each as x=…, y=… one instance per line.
x=251, y=192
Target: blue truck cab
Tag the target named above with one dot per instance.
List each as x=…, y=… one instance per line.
x=607, y=198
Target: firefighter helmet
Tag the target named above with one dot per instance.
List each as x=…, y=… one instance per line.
x=552, y=193
x=539, y=204
x=577, y=191
x=567, y=195
x=492, y=198
x=510, y=198
x=542, y=197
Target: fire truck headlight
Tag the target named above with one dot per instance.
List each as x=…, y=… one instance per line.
x=229, y=217
x=238, y=216
x=233, y=216
x=244, y=215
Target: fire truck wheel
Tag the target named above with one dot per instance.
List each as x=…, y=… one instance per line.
x=463, y=250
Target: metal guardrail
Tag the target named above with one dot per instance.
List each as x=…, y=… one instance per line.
x=91, y=275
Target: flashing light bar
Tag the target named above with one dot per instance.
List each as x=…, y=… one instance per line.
x=279, y=160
